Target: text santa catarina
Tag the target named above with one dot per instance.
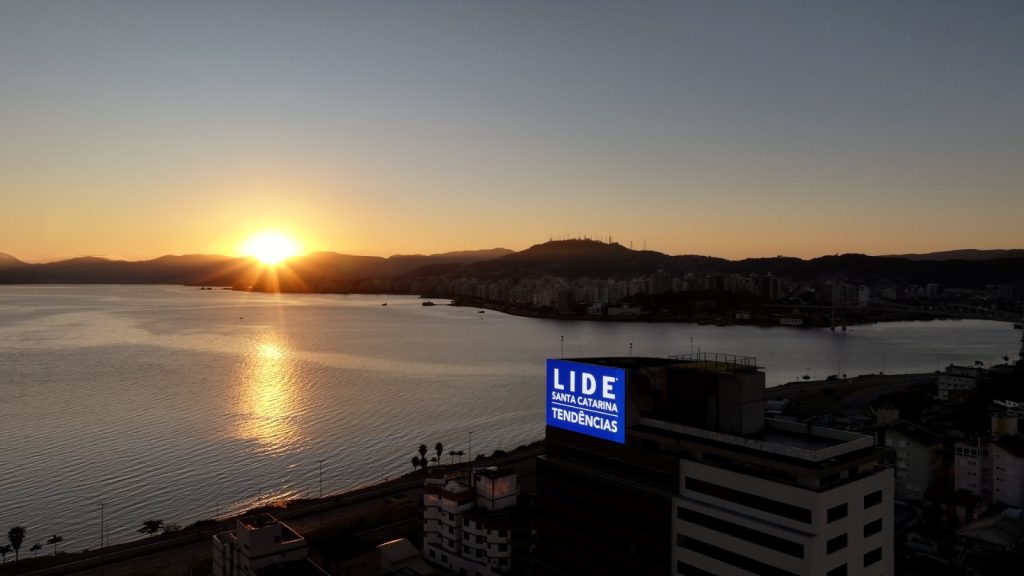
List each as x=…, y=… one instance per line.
x=587, y=398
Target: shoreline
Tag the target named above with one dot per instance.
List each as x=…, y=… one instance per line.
x=720, y=321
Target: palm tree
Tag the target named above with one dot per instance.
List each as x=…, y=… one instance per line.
x=5, y=550
x=415, y=462
x=55, y=539
x=439, y=448
x=423, y=451
x=16, y=536
x=35, y=549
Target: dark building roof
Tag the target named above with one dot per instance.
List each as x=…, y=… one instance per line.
x=915, y=432
x=340, y=546
x=1013, y=444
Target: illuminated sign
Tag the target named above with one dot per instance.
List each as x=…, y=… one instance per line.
x=588, y=399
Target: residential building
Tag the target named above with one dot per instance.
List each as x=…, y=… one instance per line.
x=257, y=543
x=972, y=467
x=992, y=467
x=476, y=528
x=917, y=458
x=1008, y=471
x=702, y=483
x=958, y=382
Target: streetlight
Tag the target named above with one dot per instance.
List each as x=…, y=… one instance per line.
x=320, y=464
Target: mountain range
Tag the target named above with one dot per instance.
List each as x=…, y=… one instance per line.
x=330, y=271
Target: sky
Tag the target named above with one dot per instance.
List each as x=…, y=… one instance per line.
x=133, y=129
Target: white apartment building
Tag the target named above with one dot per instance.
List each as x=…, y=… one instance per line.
x=256, y=543
x=917, y=459
x=992, y=468
x=473, y=530
x=729, y=519
x=958, y=382
x=1008, y=471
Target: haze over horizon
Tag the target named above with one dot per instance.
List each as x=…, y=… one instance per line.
x=138, y=129
x=985, y=254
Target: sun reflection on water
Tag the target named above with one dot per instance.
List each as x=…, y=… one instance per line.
x=270, y=402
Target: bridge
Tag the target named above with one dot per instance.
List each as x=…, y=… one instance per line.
x=938, y=309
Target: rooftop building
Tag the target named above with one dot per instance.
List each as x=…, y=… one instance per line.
x=476, y=528
x=700, y=482
x=257, y=543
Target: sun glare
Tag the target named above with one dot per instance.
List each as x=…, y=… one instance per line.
x=270, y=247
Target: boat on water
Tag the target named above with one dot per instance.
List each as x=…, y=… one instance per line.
x=384, y=304
x=428, y=303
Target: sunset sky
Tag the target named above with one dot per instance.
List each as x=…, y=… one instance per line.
x=134, y=129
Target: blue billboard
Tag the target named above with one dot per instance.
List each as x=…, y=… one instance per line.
x=587, y=399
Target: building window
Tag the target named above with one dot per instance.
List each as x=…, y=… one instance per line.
x=836, y=513
x=872, y=557
x=837, y=543
x=872, y=528
x=742, y=532
x=689, y=570
x=837, y=571
x=750, y=500
x=732, y=558
x=873, y=499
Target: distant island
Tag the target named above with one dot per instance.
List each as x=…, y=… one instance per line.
x=585, y=278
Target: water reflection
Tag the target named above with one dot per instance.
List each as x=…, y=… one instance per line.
x=270, y=401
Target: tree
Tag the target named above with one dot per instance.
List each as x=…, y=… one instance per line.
x=415, y=462
x=439, y=448
x=55, y=539
x=422, y=450
x=35, y=549
x=5, y=550
x=151, y=526
x=16, y=536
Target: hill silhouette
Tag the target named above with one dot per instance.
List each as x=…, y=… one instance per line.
x=334, y=272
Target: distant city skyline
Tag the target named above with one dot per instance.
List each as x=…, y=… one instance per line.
x=133, y=130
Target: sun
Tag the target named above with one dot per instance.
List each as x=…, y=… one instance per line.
x=270, y=247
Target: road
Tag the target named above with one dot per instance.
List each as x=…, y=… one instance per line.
x=175, y=556
x=852, y=395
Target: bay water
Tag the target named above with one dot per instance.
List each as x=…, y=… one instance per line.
x=174, y=403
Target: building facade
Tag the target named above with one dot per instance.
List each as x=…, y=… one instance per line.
x=255, y=544
x=704, y=484
x=476, y=528
x=917, y=461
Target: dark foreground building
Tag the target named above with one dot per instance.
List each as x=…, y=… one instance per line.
x=698, y=481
